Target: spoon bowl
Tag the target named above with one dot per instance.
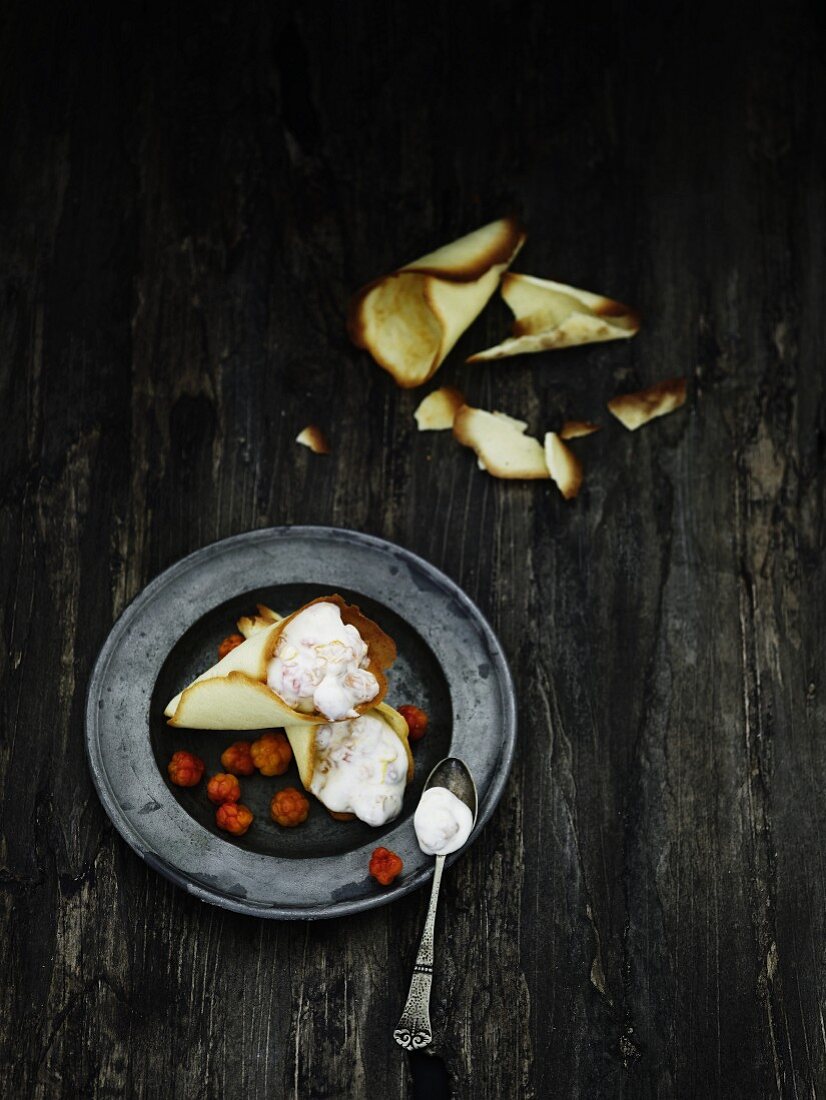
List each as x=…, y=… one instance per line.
x=454, y=774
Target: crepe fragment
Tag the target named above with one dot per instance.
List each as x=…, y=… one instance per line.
x=563, y=466
x=549, y=315
x=577, y=429
x=500, y=443
x=233, y=694
x=437, y=411
x=313, y=437
x=248, y=625
x=635, y=409
x=410, y=319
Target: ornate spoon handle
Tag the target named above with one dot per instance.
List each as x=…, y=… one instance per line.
x=413, y=1030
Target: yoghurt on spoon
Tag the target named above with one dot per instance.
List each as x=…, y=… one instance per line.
x=442, y=822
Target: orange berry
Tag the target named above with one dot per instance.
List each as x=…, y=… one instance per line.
x=232, y=641
x=185, y=769
x=223, y=788
x=385, y=865
x=416, y=721
x=289, y=807
x=234, y=818
x=271, y=753
x=237, y=759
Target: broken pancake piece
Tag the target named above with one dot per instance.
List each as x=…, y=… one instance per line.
x=248, y=625
x=438, y=410
x=500, y=443
x=409, y=320
x=576, y=429
x=563, y=466
x=550, y=315
x=635, y=409
x=313, y=437
x=325, y=662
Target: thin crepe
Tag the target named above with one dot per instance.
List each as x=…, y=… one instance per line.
x=635, y=409
x=410, y=319
x=437, y=411
x=550, y=315
x=500, y=443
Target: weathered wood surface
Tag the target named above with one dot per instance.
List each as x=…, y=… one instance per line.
x=189, y=194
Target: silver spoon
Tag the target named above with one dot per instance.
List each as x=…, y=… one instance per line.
x=413, y=1030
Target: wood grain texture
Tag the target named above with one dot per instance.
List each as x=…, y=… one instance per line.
x=189, y=194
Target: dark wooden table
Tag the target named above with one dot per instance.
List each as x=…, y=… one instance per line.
x=189, y=195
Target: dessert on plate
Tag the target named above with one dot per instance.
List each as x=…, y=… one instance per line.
x=320, y=674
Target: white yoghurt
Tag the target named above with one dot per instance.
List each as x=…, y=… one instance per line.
x=442, y=822
x=360, y=768
x=320, y=665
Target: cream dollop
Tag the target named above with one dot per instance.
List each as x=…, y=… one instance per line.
x=360, y=768
x=320, y=665
x=442, y=822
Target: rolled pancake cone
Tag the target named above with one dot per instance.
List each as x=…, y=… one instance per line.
x=233, y=694
x=550, y=315
x=302, y=742
x=409, y=320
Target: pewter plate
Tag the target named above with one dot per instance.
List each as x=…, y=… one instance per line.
x=450, y=663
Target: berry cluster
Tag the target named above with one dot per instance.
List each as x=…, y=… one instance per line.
x=270, y=755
